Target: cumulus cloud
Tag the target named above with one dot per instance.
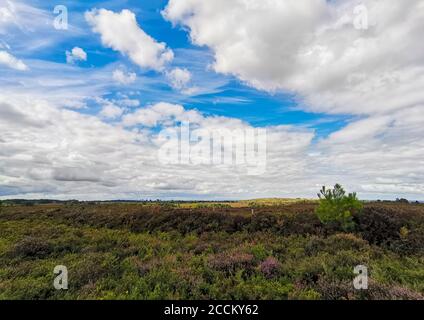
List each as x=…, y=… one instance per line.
x=10, y=61
x=68, y=154
x=382, y=154
x=179, y=78
x=121, y=32
x=312, y=49
x=76, y=54
x=153, y=115
x=50, y=151
x=124, y=78
x=126, y=102
x=110, y=111
x=76, y=174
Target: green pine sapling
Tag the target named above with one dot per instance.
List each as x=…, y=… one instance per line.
x=335, y=207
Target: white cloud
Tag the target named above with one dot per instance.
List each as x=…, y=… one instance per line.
x=131, y=103
x=6, y=15
x=47, y=151
x=121, y=32
x=110, y=111
x=306, y=47
x=124, y=78
x=311, y=49
x=76, y=54
x=179, y=78
x=10, y=61
x=18, y=14
x=153, y=115
x=378, y=155
x=61, y=153
x=64, y=85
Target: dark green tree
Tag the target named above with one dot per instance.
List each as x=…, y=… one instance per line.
x=335, y=207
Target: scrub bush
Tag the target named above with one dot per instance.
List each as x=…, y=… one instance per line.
x=335, y=207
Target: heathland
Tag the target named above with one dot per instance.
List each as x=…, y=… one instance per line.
x=266, y=249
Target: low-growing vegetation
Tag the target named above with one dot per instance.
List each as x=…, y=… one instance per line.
x=155, y=251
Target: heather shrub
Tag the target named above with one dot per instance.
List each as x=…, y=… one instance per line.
x=134, y=251
x=302, y=223
x=335, y=289
x=400, y=293
x=301, y=293
x=335, y=243
x=27, y=288
x=306, y=271
x=257, y=287
x=270, y=267
x=259, y=251
x=378, y=291
x=331, y=289
x=32, y=248
x=231, y=261
x=379, y=225
x=262, y=221
x=413, y=242
x=91, y=268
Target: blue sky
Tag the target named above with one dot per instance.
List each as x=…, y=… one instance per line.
x=224, y=94
x=338, y=104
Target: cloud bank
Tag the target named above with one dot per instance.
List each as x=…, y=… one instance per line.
x=121, y=32
x=312, y=49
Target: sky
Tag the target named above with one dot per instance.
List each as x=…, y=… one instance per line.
x=95, y=95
